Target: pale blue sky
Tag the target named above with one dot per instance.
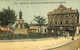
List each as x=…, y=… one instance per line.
x=29, y=10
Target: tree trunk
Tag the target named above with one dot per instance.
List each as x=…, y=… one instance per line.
x=39, y=29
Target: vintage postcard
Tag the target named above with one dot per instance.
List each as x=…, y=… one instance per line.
x=39, y=24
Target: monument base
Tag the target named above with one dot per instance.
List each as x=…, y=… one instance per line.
x=20, y=31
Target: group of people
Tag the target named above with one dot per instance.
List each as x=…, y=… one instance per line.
x=56, y=34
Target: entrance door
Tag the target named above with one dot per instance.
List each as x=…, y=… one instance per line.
x=61, y=31
x=79, y=31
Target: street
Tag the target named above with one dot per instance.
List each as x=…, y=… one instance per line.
x=35, y=44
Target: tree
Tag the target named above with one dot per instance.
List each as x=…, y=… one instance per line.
x=26, y=25
x=7, y=17
x=40, y=20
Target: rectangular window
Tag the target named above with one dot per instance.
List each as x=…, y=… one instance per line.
x=66, y=22
x=45, y=30
x=60, y=22
x=55, y=22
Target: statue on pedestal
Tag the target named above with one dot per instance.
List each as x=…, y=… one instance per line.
x=20, y=14
x=20, y=29
x=20, y=21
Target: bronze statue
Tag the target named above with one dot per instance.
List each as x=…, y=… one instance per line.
x=20, y=14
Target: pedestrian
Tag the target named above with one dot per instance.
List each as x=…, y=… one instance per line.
x=65, y=34
x=53, y=33
x=68, y=35
x=57, y=35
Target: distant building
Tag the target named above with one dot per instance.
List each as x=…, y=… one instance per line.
x=62, y=19
x=36, y=29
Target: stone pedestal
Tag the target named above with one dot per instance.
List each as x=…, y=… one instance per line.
x=20, y=28
x=20, y=31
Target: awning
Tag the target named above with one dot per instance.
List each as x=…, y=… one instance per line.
x=52, y=28
x=71, y=29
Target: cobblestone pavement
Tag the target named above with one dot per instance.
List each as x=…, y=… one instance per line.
x=34, y=44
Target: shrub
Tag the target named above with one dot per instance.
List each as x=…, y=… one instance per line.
x=10, y=35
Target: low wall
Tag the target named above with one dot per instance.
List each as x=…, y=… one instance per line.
x=73, y=45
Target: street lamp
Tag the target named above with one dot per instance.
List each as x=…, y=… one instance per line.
x=72, y=30
x=61, y=30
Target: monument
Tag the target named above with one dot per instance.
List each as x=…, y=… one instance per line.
x=20, y=29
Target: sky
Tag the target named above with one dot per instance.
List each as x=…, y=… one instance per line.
x=31, y=8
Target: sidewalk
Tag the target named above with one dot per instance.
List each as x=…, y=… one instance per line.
x=38, y=44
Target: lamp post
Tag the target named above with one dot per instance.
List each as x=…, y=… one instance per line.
x=73, y=34
x=61, y=30
x=72, y=30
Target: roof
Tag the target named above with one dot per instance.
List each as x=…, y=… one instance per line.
x=38, y=25
x=62, y=9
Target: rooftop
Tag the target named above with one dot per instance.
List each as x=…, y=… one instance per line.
x=62, y=9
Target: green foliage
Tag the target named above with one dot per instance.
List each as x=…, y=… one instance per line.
x=26, y=25
x=40, y=20
x=10, y=36
x=7, y=17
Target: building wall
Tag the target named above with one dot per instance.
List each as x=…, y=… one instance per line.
x=78, y=30
x=44, y=29
x=36, y=29
x=63, y=17
x=33, y=29
x=64, y=14
x=69, y=18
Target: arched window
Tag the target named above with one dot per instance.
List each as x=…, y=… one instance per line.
x=66, y=16
x=72, y=16
x=56, y=18
x=61, y=17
